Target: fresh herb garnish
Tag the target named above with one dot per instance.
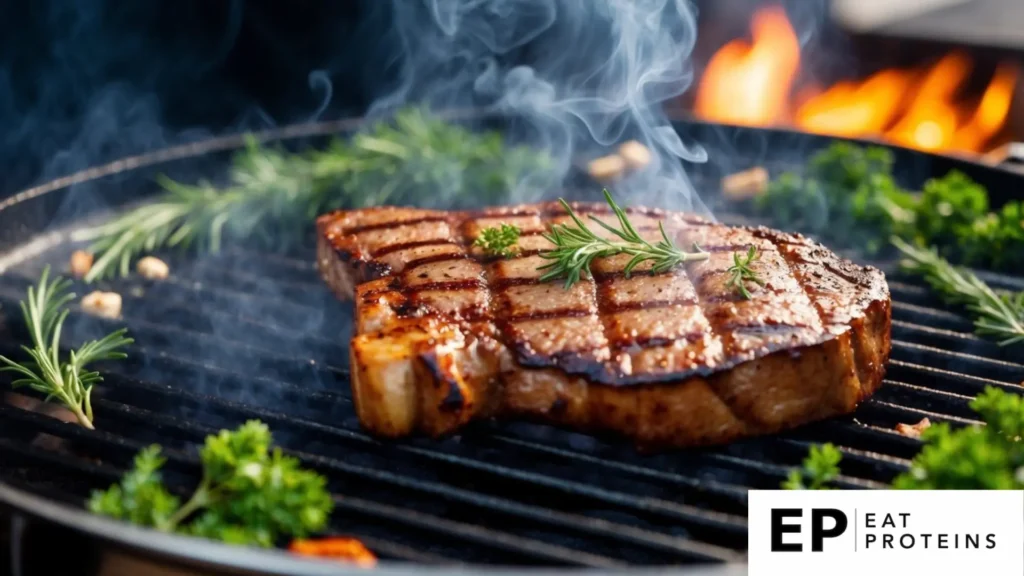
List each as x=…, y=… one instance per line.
x=820, y=467
x=848, y=193
x=273, y=196
x=249, y=494
x=576, y=247
x=997, y=315
x=741, y=272
x=66, y=381
x=977, y=457
x=989, y=457
x=499, y=240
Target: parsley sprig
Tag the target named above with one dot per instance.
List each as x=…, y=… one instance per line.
x=68, y=381
x=499, y=240
x=577, y=246
x=997, y=315
x=987, y=456
x=820, y=467
x=273, y=196
x=249, y=494
x=741, y=272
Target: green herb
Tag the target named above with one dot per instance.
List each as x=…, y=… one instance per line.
x=741, y=272
x=67, y=381
x=499, y=241
x=249, y=494
x=272, y=195
x=997, y=315
x=845, y=191
x=820, y=467
x=576, y=247
x=141, y=497
x=989, y=457
x=848, y=193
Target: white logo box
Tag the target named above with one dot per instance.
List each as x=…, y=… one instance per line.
x=905, y=533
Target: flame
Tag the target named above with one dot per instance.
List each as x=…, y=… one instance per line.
x=753, y=84
x=931, y=121
x=749, y=83
x=852, y=110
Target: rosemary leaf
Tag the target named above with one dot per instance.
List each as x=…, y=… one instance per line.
x=66, y=381
x=741, y=272
x=577, y=246
x=272, y=196
x=997, y=315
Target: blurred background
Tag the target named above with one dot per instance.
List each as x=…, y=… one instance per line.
x=86, y=81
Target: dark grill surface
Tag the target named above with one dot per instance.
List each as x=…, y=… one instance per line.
x=243, y=335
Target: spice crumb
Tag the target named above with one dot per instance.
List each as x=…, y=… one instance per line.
x=81, y=263
x=607, y=167
x=153, y=268
x=635, y=154
x=914, y=430
x=102, y=304
x=745, y=185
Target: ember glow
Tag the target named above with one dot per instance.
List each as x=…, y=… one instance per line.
x=753, y=83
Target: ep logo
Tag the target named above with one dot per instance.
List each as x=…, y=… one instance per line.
x=824, y=523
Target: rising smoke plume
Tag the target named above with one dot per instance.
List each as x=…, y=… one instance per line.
x=599, y=72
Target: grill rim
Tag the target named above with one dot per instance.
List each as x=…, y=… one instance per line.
x=200, y=552
x=216, y=555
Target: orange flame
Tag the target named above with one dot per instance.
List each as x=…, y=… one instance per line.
x=749, y=83
x=753, y=84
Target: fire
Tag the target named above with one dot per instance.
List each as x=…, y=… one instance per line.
x=749, y=83
x=754, y=84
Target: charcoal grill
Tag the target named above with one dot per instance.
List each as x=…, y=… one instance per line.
x=244, y=335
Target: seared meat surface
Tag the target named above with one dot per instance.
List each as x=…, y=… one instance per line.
x=446, y=335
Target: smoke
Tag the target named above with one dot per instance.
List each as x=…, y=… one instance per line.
x=575, y=77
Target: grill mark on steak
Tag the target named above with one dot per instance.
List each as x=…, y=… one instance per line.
x=613, y=308
x=390, y=248
x=636, y=343
x=444, y=286
x=551, y=314
x=436, y=258
x=355, y=231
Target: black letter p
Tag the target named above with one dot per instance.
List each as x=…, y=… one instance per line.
x=818, y=533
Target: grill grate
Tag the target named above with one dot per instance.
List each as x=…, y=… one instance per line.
x=245, y=335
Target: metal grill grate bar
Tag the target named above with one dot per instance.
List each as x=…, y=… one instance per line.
x=494, y=505
x=78, y=469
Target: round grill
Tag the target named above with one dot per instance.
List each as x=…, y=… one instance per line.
x=247, y=334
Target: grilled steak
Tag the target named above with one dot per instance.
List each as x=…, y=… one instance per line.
x=446, y=335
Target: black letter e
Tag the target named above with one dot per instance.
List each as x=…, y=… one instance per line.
x=779, y=528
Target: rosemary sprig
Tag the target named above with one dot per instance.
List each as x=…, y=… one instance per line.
x=741, y=272
x=273, y=196
x=998, y=315
x=499, y=241
x=68, y=381
x=576, y=247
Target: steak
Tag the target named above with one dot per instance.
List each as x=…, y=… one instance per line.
x=446, y=335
